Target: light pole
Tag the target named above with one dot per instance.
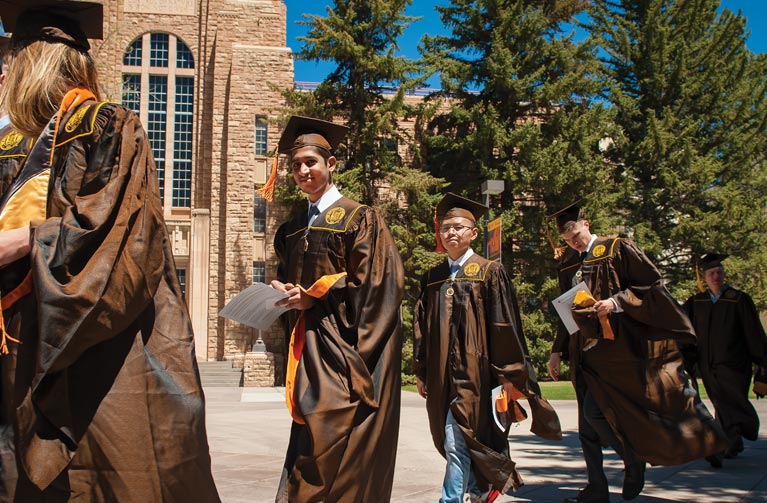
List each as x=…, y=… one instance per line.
x=490, y=187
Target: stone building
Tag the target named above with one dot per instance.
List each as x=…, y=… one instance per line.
x=204, y=76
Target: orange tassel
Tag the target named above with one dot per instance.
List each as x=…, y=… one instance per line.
x=267, y=190
x=6, y=302
x=701, y=288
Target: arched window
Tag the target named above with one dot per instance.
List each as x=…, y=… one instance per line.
x=158, y=84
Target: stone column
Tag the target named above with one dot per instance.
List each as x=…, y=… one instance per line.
x=199, y=280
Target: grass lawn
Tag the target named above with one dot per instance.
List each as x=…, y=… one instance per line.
x=563, y=390
x=560, y=390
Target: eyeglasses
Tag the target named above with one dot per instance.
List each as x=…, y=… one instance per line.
x=458, y=228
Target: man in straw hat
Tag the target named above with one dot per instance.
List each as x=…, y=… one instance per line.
x=468, y=340
x=730, y=339
x=342, y=273
x=627, y=362
x=99, y=368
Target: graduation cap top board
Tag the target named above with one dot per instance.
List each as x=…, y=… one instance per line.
x=711, y=260
x=306, y=131
x=570, y=213
x=453, y=205
x=303, y=132
x=70, y=22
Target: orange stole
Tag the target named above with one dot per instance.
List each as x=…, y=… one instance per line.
x=298, y=340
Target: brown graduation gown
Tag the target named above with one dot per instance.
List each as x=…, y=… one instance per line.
x=463, y=342
x=109, y=405
x=639, y=379
x=730, y=339
x=13, y=151
x=347, y=380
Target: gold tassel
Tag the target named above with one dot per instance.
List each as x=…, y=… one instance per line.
x=5, y=337
x=558, y=250
x=267, y=190
x=701, y=288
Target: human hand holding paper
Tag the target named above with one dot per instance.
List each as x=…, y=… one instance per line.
x=297, y=297
x=256, y=306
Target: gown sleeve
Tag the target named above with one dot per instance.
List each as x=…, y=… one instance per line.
x=367, y=307
x=753, y=331
x=420, y=335
x=644, y=298
x=98, y=258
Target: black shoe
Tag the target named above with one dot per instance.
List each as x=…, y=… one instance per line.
x=590, y=494
x=633, y=480
x=734, y=449
x=715, y=460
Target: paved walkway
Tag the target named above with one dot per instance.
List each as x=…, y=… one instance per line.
x=248, y=431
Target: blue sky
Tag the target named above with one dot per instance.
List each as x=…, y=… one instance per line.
x=306, y=71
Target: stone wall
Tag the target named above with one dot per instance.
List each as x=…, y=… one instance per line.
x=241, y=62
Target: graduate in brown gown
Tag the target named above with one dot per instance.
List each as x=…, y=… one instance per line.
x=468, y=340
x=628, y=362
x=730, y=340
x=13, y=150
x=107, y=399
x=343, y=276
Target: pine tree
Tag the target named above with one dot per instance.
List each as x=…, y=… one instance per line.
x=690, y=102
x=409, y=215
x=517, y=104
x=366, y=90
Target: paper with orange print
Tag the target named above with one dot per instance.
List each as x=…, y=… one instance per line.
x=564, y=304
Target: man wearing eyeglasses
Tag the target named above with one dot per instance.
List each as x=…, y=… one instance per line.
x=468, y=340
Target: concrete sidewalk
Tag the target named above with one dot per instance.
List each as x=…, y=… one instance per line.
x=248, y=430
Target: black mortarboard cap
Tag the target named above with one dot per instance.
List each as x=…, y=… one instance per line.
x=570, y=213
x=70, y=22
x=307, y=131
x=710, y=260
x=453, y=201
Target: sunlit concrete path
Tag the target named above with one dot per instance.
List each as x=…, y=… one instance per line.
x=248, y=432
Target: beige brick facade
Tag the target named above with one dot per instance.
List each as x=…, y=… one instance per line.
x=240, y=54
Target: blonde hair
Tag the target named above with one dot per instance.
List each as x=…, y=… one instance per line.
x=39, y=75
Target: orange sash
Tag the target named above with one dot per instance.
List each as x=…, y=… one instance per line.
x=298, y=340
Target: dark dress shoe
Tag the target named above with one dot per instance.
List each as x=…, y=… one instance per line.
x=590, y=494
x=734, y=449
x=633, y=480
x=715, y=460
